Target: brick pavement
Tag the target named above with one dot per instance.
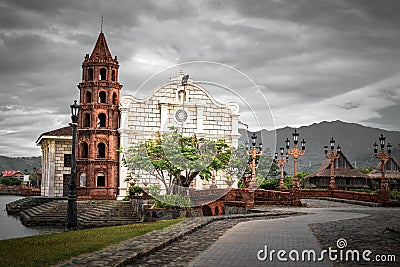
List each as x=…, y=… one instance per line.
x=129, y=251
x=236, y=241
x=240, y=244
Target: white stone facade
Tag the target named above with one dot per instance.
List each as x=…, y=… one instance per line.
x=55, y=174
x=189, y=108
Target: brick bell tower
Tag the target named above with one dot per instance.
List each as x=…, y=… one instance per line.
x=97, y=135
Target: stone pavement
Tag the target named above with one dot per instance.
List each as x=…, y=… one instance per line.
x=215, y=241
x=132, y=250
x=326, y=223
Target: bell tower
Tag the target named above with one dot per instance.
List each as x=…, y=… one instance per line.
x=97, y=135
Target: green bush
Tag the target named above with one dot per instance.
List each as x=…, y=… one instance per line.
x=10, y=181
x=172, y=201
x=135, y=190
x=395, y=195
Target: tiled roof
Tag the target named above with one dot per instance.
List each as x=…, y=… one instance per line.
x=339, y=172
x=10, y=173
x=101, y=50
x=376, y=173
x=325, y=170
x=65, y=131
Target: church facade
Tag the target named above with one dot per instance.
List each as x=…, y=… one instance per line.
x=108, y=122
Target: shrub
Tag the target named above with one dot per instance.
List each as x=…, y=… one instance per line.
x=135, y=190
x=10, y=181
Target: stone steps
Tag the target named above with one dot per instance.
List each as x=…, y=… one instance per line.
x=16, y=206
x=90, y=214
x=27, y=203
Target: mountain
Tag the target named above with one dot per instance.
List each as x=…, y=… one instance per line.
x=355, y=140
x=20, y=164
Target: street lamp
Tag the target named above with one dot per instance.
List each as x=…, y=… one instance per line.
x=332, y=156
x=253, y=152
x=72, y=213
x=383, y=157
x=295, y=153
x=281, y=161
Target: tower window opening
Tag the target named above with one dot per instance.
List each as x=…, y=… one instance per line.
x=101, y=150
x=88, y=97
x=101, y=179
x=102, y=97
x=101, y=120
x=84, y=150
x=82, y=180
x=90, y=74
x=103, y=74
x=86, y=121
x=114, y=99
x=113, y=76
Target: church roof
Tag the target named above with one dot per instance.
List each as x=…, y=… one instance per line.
x=345, y=168
x=101, y=50
x=61, y=132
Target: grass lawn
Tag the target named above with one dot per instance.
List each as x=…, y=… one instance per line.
x=45, y=250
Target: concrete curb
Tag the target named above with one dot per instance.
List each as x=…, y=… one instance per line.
x=128, y=251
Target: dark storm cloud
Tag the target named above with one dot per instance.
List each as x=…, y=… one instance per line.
x=337, y=57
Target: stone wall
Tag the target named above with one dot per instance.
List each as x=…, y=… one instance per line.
x=53, y=169
x=196, y=113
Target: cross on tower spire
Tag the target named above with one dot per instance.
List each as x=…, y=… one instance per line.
x=101, y=26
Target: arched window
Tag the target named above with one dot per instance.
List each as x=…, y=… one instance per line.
x=82, y=180
x=101, y=150
x=86, y=120
x=113, y=75
x=114, y=99
x=102, y=97
x=101, y=179
x=103, y=74
x=84, y=150
x=90, y=74
x=88, y=97
x=181, y=96
x=101, y=120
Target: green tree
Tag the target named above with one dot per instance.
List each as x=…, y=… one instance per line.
x=10, y=181
x=237, y=166
x=365, y=170
x=176, y=160
x=267, y=171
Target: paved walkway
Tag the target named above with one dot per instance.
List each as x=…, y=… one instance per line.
x=219, y=241
x=240, y=245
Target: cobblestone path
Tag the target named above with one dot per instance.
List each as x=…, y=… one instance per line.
x=182, y=251
x=378, y=233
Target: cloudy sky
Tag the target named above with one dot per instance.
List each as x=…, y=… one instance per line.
x=313, y=60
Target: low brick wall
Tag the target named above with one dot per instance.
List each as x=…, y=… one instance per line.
x=22, y=190
x=314, y=193
x=359, y=196
x=273, y=197
x=242, y=196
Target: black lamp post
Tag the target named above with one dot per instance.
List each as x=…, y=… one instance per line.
x=383, y=157
x=72, y=213
x=332, y=156
x=253, y=152
x=295, y=153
